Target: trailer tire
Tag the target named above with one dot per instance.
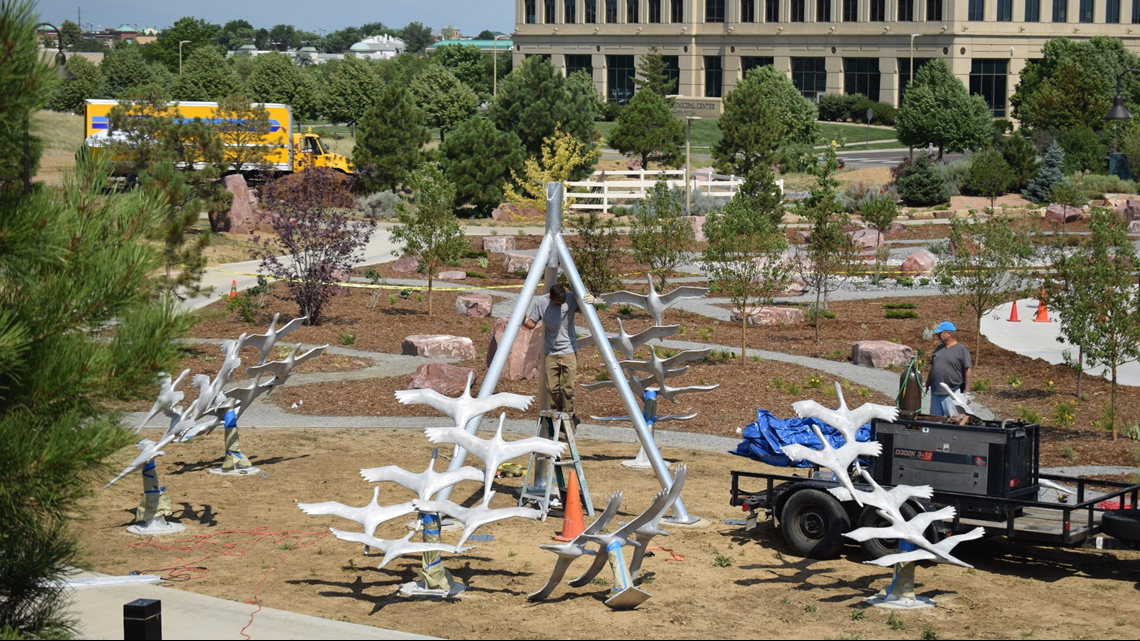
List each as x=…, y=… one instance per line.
x=813, y=522
x=1122, y=524
x=875, y=548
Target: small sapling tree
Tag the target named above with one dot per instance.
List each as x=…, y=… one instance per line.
x=431, y=233
x=659, y=232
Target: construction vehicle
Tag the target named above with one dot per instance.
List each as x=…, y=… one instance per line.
x=290, y=150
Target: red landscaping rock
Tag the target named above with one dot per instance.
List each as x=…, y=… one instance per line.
x=439, y=346
x=240, y=218
x=451, y=275
x=517, y=262
x=473, y=305
x=441, y=377
x=866, y=239
x=920, y=262
x=880, y=354
x=526, y=353
x=633, y=164
x=1059, y=213
x=498, y=244
x=406, y=264
x=698, y=223
x=769, y=316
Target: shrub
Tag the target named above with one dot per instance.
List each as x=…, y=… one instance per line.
x=611, y=111
x=1097, y=185
x=836, y=107
x=882, y=113
x=1083, y=150
x=955, y=175
x=702, y=205
x=900, y=313
x=379, y=205
x=880, y=212
x=858, y=195
x=922, y=185
x=1021, y=156
x=794, y=157
x=899, y=306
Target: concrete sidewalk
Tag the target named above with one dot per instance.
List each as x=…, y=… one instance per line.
x=187, y=615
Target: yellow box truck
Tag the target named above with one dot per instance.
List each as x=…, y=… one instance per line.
x=290, y=150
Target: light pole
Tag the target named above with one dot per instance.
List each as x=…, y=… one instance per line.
x=180, y=55
x=495, y=55
x=1117, y=166
x=910, y=77
x=688, y=167
x=65, y=73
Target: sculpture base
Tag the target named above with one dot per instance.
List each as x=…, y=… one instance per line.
x=627, y=599
x=448, y=525
x=155, y=527
x=898, y=603
x=417, y=589
x=641, y=462
x=237, y=471
x=693, y=522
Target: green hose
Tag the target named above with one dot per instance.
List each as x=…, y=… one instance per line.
x=906, y=379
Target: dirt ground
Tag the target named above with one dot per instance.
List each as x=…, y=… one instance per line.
x=247, y=541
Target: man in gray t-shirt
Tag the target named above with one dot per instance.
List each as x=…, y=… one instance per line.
x=560, y=365
x=949, y=364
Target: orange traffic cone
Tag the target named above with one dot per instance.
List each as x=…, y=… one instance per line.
x=1013, y=313
x=572, y=522
x=233, y=289
x=1042, y=313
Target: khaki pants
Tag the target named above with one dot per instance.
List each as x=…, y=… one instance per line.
x=560, y=373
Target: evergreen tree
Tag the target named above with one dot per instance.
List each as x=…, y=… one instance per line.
x=69, y=96
x=443, y=98
x=653, y=74
x=469, y=64
x=352, y=88
x=26, y=81
x=647, y=128
x=533, y=101
x=756, y=195
x=581, y=83
x=750, y=131
x=432, y=233
x=1021, y=156
x=389, y=140
x=989, y=175
x=1048, y=175
x=275, y=78
x=206, y=77
x=478, y=159
x=417, y=37
x=125, y=70
x=659, y=232
x=938, y=110
x=922, y=185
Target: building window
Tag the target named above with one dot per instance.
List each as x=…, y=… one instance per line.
x=772, y=11
x=1085, y=11
x=1135, y=12
x=748, y=10
x=748, y=63
x=611, y=11
x=809, y=75
x=823, y=11
x=549, y=13
x=620, y=73
x=1060, y=11
x=714, y=10
x=714, y=77
x=577, y=63
x=569, y=11
x=798, y=10
x=655, y=11
x=1033, y=10
x=1112, y=12
x=906, y=10
x=851, y=10
x=904, y=73
x=861, y=75
x=976, y=11
x=878, y=10
x=1004, y=10
x=673, y=71
x=988, y=80
x=530, y=11
x=677, y=9
x=591, y=11
x=934, y=10
x=631, y=7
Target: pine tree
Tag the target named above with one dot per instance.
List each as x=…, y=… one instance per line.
x=989, y=175
x=533, y=101
x=432, y=233
x=922, y=185
x=389, y=140
x=653, y=75
x=352, y=88
x=750, y=127
x=444, y=99
x=479, y=159
x=26, y=80
x=206, y=77
x=1048, y=175
x=647, y=128
x=1021, y=156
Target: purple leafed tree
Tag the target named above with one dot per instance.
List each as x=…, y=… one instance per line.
x=316, y=241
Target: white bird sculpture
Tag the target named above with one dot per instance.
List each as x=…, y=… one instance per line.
x=913, y=531
x=961, y=400
x=369, y=517
x=668, y=393
x=281, y=369
x=474, y=517
x=463, y=408
x=426, y=483
x=495, y=451
x=939, y=551
x=652, y=302
x=149, y=450
x=656, y=419
x=571, y=551
x=395, y=548
x=265, y=342
x=627, y=344
x=658, y=367
x=836, y=460
x=243, y=397
x=890, y=500
x=845, y=420
x=168, y=397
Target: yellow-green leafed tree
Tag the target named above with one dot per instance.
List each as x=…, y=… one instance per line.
x=562, y=155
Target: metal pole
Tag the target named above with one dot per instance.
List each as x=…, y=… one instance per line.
x=495, y=74
x=688, y=166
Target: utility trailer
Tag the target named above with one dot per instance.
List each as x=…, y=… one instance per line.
x=988, y=471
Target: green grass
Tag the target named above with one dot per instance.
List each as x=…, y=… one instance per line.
x=63, y=131
x=705, y=133
x=854, y=133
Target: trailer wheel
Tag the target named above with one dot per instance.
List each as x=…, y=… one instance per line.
x=875, y=548
x=813, y=522
x=1122, y=524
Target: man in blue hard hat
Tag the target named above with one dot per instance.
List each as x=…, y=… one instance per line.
x=949, y=364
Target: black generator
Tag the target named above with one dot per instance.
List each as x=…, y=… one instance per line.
x=987, y=459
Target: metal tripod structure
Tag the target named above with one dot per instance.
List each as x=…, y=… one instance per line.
x=553, y=253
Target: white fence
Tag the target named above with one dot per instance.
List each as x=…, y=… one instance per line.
x=606, y=189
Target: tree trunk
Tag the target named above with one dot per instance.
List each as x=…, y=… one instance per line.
x=743, y=335
x=818, y=314
x=1080, y=369
x=978, y=344
x=1112, y=403
x=429, y=293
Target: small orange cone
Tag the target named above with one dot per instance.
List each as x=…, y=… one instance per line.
x=1013, y=313
x=233, y=289
x=572, y=522
x=1042, y=313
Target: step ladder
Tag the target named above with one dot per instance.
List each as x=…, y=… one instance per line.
x=537, y=484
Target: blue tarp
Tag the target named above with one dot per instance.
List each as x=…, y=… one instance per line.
x=764, y=439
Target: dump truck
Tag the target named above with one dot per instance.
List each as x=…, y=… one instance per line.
x=290, y=150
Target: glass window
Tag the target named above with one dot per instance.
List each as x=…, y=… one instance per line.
x=748, y=10
x=677, y=9
x=576, y=63
x=798, y=10
x=851, y=10
x=934, y=10
x=569, y=11
x=549, y=13
x=809, y=75
x=530, y=11
x=1085, y=11
x=631, y=7
x=772, y=11
x=878, y=10
x=611, y=11
x=1135, y=11
x=751, y=62
x=988, y=79
x=904, y=73
x=714, y=77
x=620, y=73
x=1005, y=10
x=906, y=10
x=655, y=11
x=823, y=11
x=1033, y=10
x=861, y=75
x=1060, y=11
x=591, y=11
x=976, y=11
x=714, y=10
x=673, y=70
x=1112, y=12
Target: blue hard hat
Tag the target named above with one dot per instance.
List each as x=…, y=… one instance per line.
x=945, y=326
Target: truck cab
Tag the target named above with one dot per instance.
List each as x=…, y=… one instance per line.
x=308, y=151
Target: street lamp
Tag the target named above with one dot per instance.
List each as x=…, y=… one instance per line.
x=65, y=73
x=495, y=55
x=688, y=167
x=1116, y=163
x=180, y=55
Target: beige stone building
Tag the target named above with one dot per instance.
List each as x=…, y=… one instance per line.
x=851, y=46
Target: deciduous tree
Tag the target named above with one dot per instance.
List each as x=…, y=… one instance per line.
x=166, y=48
x=352, y=89
x=431, y=233
x=659, y=232
x=206, y=77
x=275, y=78
x=562, y=156
x=417, y=37
x=70, y=95
x=828, y=248
x=443, y=98
x=938, y=110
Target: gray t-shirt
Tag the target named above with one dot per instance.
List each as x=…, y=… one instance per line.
x=558, y=323
x=948, y=365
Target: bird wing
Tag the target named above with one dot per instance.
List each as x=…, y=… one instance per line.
x=446, y=507
x=959, y=399
x=682, y=293
x=332, y=508
x=913, y=491
x=503, y=399
x=639, y=366
x=277, y=368
x=675, y=417
x=313, y=353
x=843, y=494
x=625, y=297
x=903, y=557
x=797, y=452
x=597, y=566
x=515, y=449
x=365, y=538
x=393, y=474
x=668, y=393
x=426, y=396
x=144, y=446
x=560, y=568
x=686, y=356
x=466, y=473
x=657, y=331
x=483, y=515
x=866, y=412
x=606, y=516
x=812, y=409
x=457, y=436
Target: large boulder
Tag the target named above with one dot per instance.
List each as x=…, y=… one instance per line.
x=1130, y=210
x=526, y=352
x=406, y=264
x=498, y=244
x=509, y=212
x=473, y=305
x=448, y=380
x=768, y=316
x=698, y=223
x=796, y=286
x=1059, y=213
x=517, y=262
x=240, y=218
x=880, y=354
x=451, y=275
x=633, y=164
x=1134, y=227
x=866, y=239
x=920, y=262
x=439, y=346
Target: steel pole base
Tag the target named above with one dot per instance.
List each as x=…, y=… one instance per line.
x=155, y=527
x=693, y=522
x=641, y=462
x=418, y=590
x=892, y=602
x=237, y=471
x=627, y=599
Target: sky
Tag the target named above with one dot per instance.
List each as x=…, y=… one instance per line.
x=471, y=16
